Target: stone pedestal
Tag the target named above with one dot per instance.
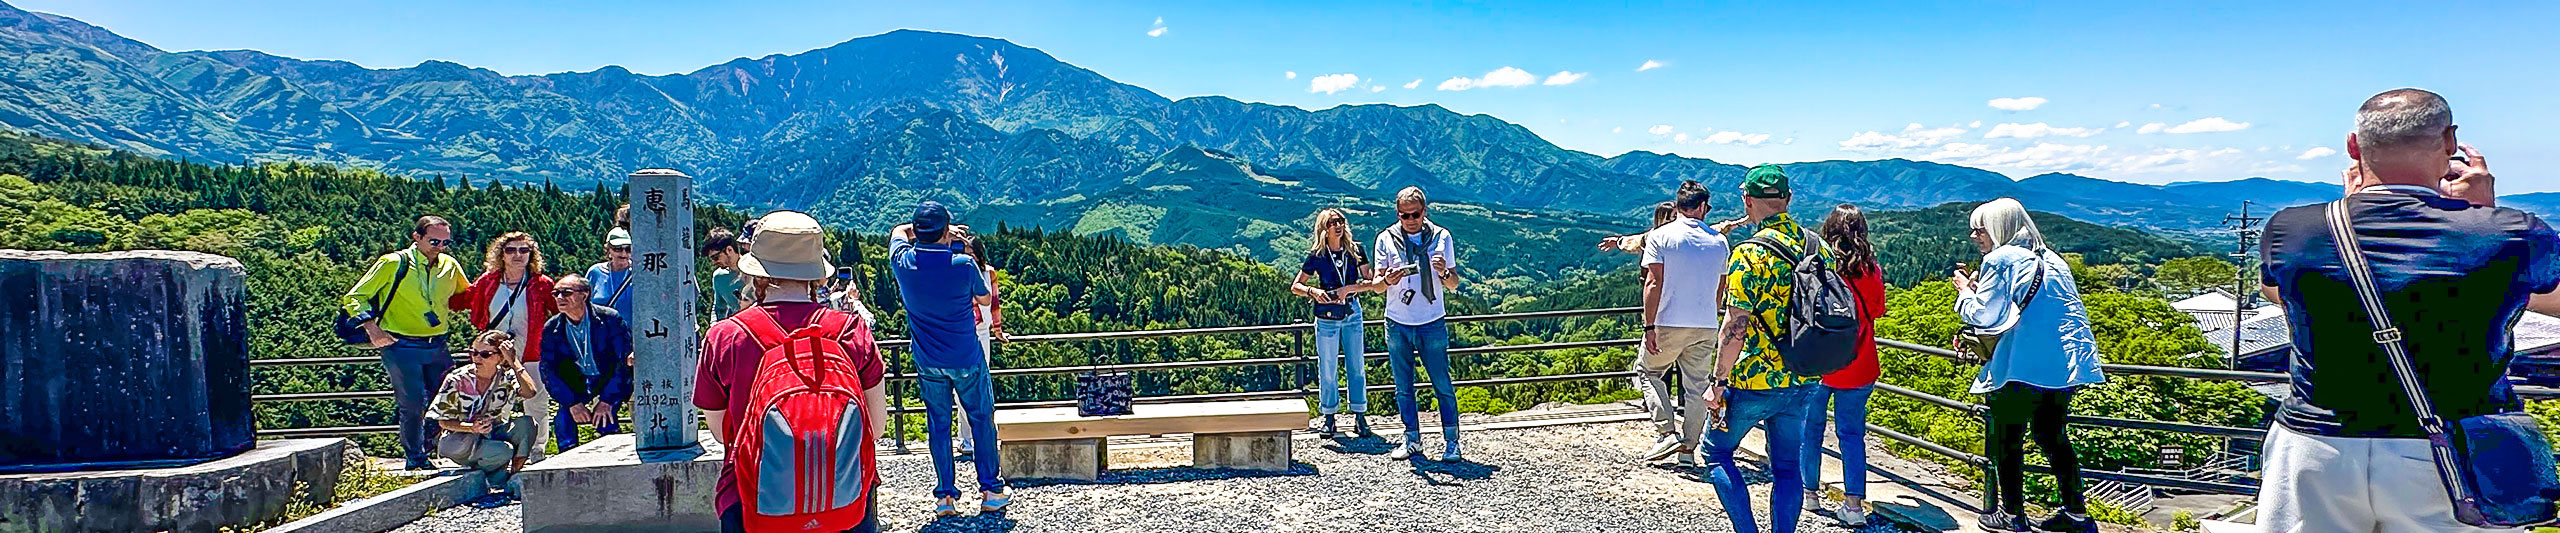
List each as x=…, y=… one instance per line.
x=1266, y=451
x=604, y=486
x=1073, y=459
x=121, y=360
x=253, y=486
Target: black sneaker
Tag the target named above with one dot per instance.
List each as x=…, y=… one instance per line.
x=2064, y=523
x=2003, y=521
x=1328, y=430
x=1360, y=425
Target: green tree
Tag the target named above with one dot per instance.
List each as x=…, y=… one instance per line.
x=2188, y=276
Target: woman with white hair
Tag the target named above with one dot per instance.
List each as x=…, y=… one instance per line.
x=2024, y=297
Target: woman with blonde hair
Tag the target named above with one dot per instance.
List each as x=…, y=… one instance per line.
x=2025, y=297
x=1332, y=274
x=512, y=295
x=481, y=410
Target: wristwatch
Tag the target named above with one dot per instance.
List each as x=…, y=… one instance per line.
x=1648, y=327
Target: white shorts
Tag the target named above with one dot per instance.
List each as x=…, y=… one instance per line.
x=2316, y=484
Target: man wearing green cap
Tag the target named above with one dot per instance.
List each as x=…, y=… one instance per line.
x=1754, y=384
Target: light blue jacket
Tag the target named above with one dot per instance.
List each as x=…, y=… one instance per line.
x=2050, y=344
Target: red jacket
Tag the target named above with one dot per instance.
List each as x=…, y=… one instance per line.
x=1870, y=290
x=537, y=308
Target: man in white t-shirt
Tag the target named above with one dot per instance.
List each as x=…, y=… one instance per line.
x=1420, y=267
x=1685, y=263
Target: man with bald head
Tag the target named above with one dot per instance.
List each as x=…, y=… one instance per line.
x=2347, y=452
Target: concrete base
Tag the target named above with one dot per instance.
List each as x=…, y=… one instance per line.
x=393, y=509
x=248, y=488
x=1074, y=459
x=1266, y=451
x=603, y=486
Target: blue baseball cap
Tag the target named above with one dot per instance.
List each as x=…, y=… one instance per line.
x=931, y=220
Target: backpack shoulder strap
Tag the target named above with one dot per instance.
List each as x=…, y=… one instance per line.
x=761, y=325
x=832, y=321
x=1785, y=253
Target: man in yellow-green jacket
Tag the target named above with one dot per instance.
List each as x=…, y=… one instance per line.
x=405, y=302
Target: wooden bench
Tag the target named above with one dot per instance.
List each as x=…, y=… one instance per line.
x=1055, y=443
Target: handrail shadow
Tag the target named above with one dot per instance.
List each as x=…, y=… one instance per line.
x=1178, y=474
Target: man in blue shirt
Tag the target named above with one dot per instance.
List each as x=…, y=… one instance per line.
x=2453, y=272
x=612, y=277
x=941, y=290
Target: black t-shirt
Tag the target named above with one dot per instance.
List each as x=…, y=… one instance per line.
x=2455, y=278
x=1332, y=270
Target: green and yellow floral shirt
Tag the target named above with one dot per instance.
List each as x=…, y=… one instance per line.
x=1759, y=282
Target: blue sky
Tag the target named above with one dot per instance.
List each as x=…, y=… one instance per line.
x=2235, y=89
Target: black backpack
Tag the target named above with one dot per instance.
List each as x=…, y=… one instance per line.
x=1820, y=328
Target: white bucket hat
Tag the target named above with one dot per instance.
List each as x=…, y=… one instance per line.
x=789, y=245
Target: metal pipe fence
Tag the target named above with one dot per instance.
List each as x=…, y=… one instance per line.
x=1298, y=357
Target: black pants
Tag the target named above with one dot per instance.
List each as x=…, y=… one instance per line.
x=2015, y=409
x=734, y=519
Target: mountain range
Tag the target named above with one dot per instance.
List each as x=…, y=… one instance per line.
x=859, y=131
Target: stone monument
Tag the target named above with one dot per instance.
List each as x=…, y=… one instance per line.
x=661, y=477
x=664, y=338
x=124, y=399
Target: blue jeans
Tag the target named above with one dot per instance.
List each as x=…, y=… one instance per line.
x=417, y=366
x=1850, y=415
x=564, y=430
x=1429, y=343
x=1340, y=348
x=1784, y=410
x=976, y=396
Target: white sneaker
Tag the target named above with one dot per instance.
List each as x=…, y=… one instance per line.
x=1853, y=513
x=1662, y=449
x=1812, y=501
x=1405, y=451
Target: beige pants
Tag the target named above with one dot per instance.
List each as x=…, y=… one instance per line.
x=1693, y=351
x=538, y=410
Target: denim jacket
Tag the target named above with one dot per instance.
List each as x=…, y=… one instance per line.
x=2049, y=345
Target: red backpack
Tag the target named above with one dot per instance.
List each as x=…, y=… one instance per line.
x=802, y=454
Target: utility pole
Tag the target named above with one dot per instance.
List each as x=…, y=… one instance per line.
x=2246, y=228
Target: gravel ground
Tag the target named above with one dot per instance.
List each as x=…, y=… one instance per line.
x=1557, y=478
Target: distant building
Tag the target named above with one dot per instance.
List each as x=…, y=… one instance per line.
x=2266, y=341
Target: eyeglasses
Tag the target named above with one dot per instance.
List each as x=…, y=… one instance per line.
x=1408, y=215
x=517, y=250
x=439, y=242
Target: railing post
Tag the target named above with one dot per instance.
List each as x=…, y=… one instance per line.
x=898, y=412
x=1298, y=350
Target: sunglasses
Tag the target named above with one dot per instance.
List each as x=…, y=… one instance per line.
x=625, y=249
x=1408, y=215
x=484, y=353
x=565, y=292
x=440, y=242
x=513, y=250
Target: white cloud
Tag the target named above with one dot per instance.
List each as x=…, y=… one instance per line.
x=1620, y=129
x=1975, y=124
x=1681, y=138
x=1649, y=65
x=1790, y=140
x=1158, y=32
x=1417, y=82
x=1460, y=83
x=2152, y=128
x=2158, y=106
x=2208, y=125
x=1659, y=129
x=2316, y=152
x=1911, y=137
x=1159, y=21
x=1290, y=75
x=2121, y=125
x=1735, y=137
x=1507, y=77
x=1565, y=77
x=2039, y=129
x=1332, y=83
x=2017, y=104
x=1377, y=88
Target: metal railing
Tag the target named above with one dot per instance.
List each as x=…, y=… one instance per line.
x=1298, y=355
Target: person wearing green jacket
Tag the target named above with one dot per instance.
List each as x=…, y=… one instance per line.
x=405, y=302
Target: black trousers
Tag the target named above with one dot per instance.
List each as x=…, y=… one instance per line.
x=2016, y=409
x=734, y=519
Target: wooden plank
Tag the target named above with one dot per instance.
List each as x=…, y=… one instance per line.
x=1162, y=419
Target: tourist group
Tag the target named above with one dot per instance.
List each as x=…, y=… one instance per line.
x=2399, y=417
